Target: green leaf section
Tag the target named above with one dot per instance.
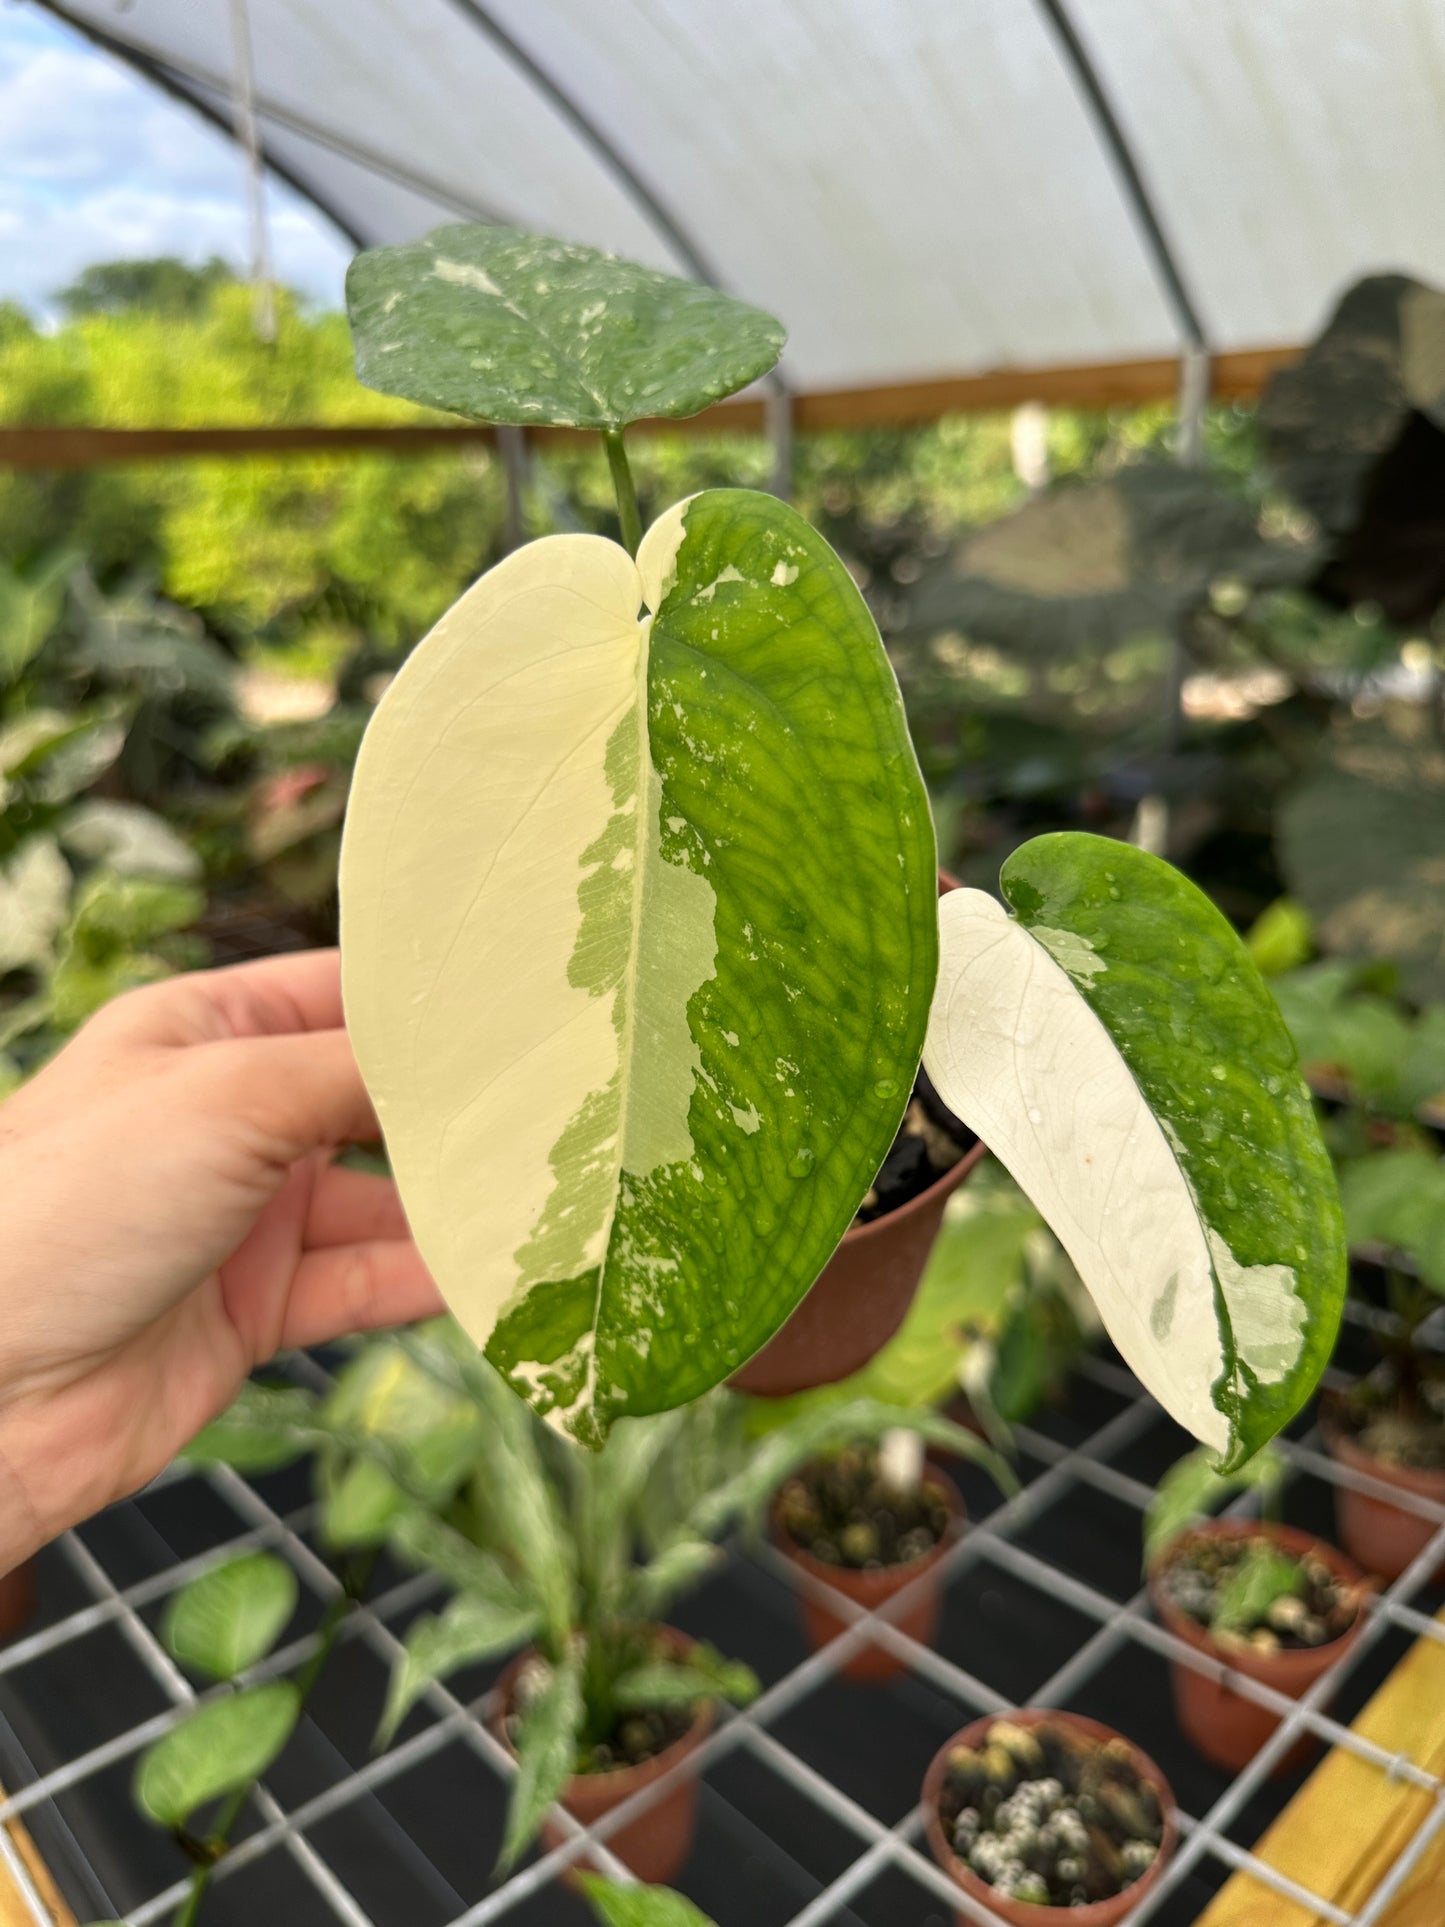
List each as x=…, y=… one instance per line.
x=1177, y=992
x=1397, y=1199
x=1193, y=1486
x=786, y=780
x=468, y=1629
x=619, y=1906
x=231, y=1616
x=218, y=1749
x=704, y=1675
x=506, y=326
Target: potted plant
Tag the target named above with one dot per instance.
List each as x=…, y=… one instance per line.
x=640, y=929
x=1255, y=1595
x=868, y=1521
x=1036, y=1813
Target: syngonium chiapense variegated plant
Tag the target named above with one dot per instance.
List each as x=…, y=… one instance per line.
x=638, y=875
x=640, y=933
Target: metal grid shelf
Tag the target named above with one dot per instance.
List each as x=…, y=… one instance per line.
x=809, y=1798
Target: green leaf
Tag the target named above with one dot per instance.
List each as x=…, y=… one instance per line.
x=119, y=912
x=619, y=1906
x=677, y=1567
x=267, y=1427
x=1117, y=1050
x=1194, y=1486
x=1261, y=1577
x=231, y=1616
x=466, y=1630
x=709, y=836
x=506, y=326
x=421, y=1539
x=1397, y=1199
x=30, y=607
x=546, y=1753
x=704, y=1675
x=218, y=1749
x=1281, y=937
x=360, y=1505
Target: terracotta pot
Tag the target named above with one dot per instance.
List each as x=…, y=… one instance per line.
x=873, y=1589
x=656, y=1844
x=17, y=1598
x=1028, y=1913
x=1384, y=1538
x=1225, y=1726
x=862, y=1295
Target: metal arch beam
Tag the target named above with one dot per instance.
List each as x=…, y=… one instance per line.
x=617, y=164
x=180, y=82
x=179, y=89
x=1131, y=178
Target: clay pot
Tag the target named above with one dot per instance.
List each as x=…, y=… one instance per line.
x=17, y=1598
x=657, y=1843
x=873, y=1589
x=1028, y=1913
x=1384, y=1538
x=1225, y=1726
x=862, y=1295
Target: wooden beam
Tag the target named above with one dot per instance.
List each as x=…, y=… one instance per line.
x=903, y=405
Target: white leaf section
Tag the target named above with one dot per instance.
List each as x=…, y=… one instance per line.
x=1016, y=1052
x=508, y=754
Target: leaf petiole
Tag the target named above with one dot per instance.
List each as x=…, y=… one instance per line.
x=624, y=488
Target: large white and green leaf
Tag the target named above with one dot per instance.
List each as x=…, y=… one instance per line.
x=1114, y=1045
x=506, y=326
x=638, y=942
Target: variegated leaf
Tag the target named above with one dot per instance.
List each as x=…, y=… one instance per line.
x=1116, y=1048
x=639, y=938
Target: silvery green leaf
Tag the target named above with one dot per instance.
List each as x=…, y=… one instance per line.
x=129, y=840
x=359, y=1505
x=232, y=1615
x=506, y=326
x=265, y=1428
x=219, y=1748
x=706, y=833
x=466, y=1630
x=35, y=888
x=546, y=1752
x=1115, y=1047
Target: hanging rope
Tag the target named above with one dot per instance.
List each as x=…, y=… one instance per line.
x=243, y=95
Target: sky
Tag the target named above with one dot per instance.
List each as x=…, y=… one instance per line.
x=98, y=165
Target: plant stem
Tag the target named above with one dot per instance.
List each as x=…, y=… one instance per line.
x=219, y=1838
x=625, y=490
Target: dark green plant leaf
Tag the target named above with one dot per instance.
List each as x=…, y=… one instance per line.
x=466, y=1630
x=739, y=919
x=506, y=326
x=1360, y=844
x=1177, y=1156
x=231, y=1616
x=546, y=1753
x=618, y=1906
x=1263, y=1576
x=218, y=1749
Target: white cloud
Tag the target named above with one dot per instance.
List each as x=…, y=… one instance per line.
x=97, y=165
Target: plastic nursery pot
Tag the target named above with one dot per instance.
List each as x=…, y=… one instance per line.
x=872, y=1588
x=862, y=1295
x=17, y=1598
x=1383, y=1538
x=1226, y=1727
x=1028, y=1913
x=656, y=1844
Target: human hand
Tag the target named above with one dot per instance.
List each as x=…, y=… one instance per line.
x=172, y=1218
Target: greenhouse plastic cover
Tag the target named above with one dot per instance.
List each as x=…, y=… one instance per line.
x=920, y=188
